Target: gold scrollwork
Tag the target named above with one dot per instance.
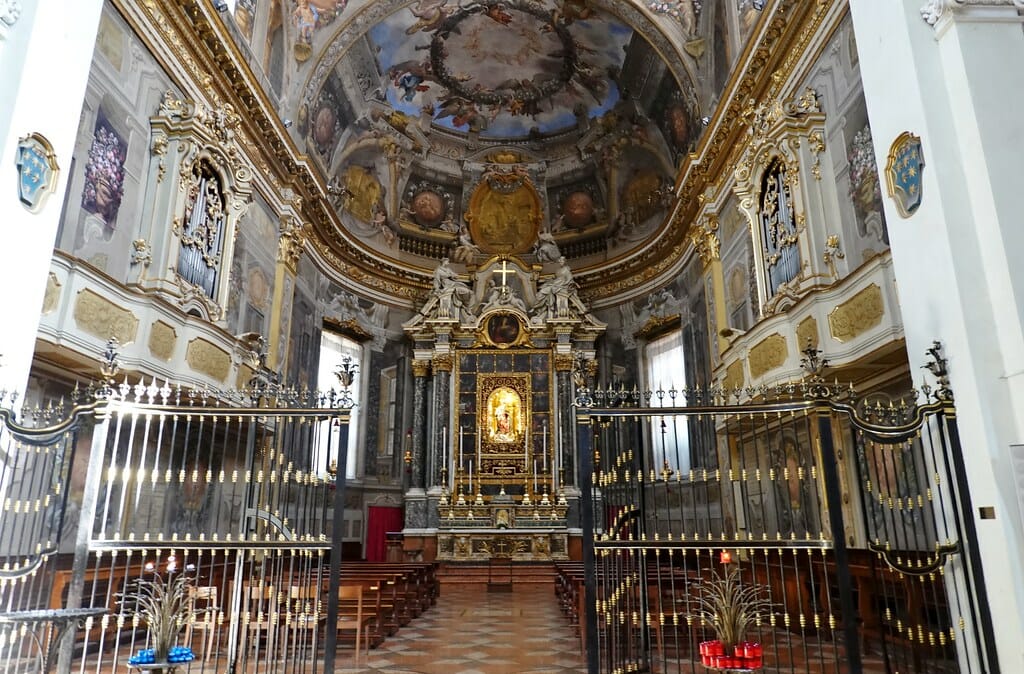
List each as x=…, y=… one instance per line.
x=161, y=340
x=293, y=238
x=705, y=240
x=656, y=325
x=857, y=315
x=733, y=376
x=768, y=354
x=207, y=358
x=102, y=318
x=807, y=333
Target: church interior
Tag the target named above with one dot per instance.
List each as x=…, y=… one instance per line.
x=641, y=336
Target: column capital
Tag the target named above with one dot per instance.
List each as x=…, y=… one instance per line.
x=293, y=238
x=420, y=367
x=441, y=362
x=564, y=362
x=705, y=240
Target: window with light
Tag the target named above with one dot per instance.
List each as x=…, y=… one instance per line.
x=334, y=349
x=666, y=370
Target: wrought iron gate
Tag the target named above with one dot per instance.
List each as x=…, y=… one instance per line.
x=837, y=531
x=226, y=500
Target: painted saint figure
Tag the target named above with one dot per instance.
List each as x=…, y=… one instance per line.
x=503, y=422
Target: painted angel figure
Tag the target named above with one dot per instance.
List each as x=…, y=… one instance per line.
x=305, y=16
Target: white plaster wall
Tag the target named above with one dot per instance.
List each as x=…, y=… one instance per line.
x=36, y=95
x=960, y=89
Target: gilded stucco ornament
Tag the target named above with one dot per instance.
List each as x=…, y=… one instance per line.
x=857, y=315
x=291, y=243
x=420, y=367
x=442, y=362
x=903, y=173
x=705, y=240
x=141, y=253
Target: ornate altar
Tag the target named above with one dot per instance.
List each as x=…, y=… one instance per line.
x=499, y=339
x=519, y=528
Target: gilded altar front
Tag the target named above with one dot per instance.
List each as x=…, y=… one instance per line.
x=519, y=545
x=502, y=525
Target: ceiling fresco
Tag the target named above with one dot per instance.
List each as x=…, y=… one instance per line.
x=468, y=128
x=503, y=68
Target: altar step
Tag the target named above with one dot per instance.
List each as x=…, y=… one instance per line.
x=520, y=573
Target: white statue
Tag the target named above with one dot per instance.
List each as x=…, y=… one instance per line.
x=452, y=295
x=556, y=297
x=466, y=250
x=546, y=249
x=503, y=296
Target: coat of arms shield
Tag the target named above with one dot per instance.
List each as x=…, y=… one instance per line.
x=903, y=173
x=37, y=171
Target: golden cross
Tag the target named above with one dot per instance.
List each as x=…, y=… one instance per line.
x=505, y=271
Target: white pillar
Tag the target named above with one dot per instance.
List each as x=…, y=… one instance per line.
x=959, y=85
x=45, y=56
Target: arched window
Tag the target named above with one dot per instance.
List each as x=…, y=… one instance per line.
x=202, y=233
x=778, y=228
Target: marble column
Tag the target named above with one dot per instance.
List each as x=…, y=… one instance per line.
x=442, y=365
x=415, y=495
x=420, y=370
x=566, y=422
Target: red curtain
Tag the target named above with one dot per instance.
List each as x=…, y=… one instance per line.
x=380, y=521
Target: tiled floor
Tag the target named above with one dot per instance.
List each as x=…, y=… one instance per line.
x=472, y=631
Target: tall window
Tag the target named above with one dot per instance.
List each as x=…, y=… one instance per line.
x=333, y=350
x=778, y=228
x=203, y=230
x=388, y=411
x=666, y=369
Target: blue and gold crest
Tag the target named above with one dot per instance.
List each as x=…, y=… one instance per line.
x=903, y=173
x=37, y=171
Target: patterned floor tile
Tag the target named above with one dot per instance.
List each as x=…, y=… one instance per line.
x=471, y=631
